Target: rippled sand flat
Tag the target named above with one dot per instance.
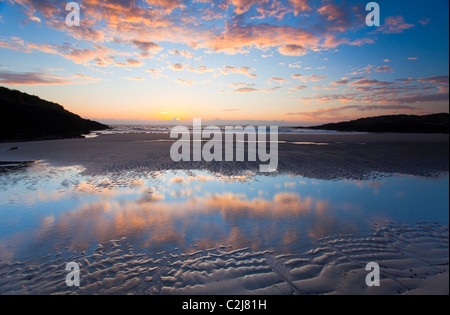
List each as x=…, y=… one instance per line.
x=413, y=260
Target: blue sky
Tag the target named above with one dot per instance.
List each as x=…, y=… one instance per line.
x=293, y=61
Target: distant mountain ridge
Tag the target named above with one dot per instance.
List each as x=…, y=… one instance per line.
x=27, y=117
x=435, y=123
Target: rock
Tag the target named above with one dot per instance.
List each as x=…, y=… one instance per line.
x=25, y=117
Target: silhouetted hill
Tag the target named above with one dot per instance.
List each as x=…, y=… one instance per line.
x=27, y=117
x=435, y=123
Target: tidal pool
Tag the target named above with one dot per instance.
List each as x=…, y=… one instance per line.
x=46, y=210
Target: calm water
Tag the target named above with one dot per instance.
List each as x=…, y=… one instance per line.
x=118, y=129
x=45, y=209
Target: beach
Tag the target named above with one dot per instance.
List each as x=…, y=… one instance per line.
x=138, y=223
x=325, y=156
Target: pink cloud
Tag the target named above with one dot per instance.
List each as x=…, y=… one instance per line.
x=200, y=69
x=167, y=5
x=241, y=70
x=441, y=96
x=236, y=38
x=360, y=42
x=316, y=113
x=242, y=6
x=35, y=78
x=233, y=85
x=282, y=80
x=15, y=43
x=331, y=12
x=246, y=90
x=154, y=73
x=341, y=82
x=146, y=46
x=299, y=87
x=424, y=21
x=384, y=69
x=122, y=20
x=135, y=78
x=177, y=67
x=292, y=50
x=184, y=53
x=442, y=80
x=187, y=82
x=250, y=90
x=300, y=6
x=336, y=17
x=369, y=82
x=310, y=78
x=394, y=25
x=134, y=62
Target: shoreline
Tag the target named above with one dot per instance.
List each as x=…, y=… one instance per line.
x=321, y=156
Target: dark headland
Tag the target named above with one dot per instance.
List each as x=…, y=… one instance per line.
x=27, y=117
x=435, y=123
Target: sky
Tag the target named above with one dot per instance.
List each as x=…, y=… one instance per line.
x=285, y=62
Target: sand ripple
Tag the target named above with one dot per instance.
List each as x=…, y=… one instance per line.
x=413, y=260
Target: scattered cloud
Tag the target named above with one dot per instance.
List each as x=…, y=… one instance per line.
x=393, y=25
x=166, y=5
x=423, y=98
x=35, y=78
x=246, y=90
x=130, y=63
x=300, y=6
x=299, y=87
x=310, y=78
x=384, y=69
x=134, y=78
x=369, y=82
x=15, y=43
x=316, y=113
x=292, y=50
x=35, y=19
x=240, y=84
x=249, y=90
x=442, y=80
x=84, y=77
x=184, y=53
x=276, y=79
x=424, y=21
x=177, y=67
x=200, y=69
x=241, y=70
x=154, y=73
x=360, y=42
x=146, y=46
x=186, y=82
x=405, y=80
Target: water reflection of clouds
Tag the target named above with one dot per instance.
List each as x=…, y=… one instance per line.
x=182, y=208
x=176, y=209
x=230, y=219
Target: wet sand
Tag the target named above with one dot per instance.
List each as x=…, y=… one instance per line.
x=322, y=156
x=412, y=259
